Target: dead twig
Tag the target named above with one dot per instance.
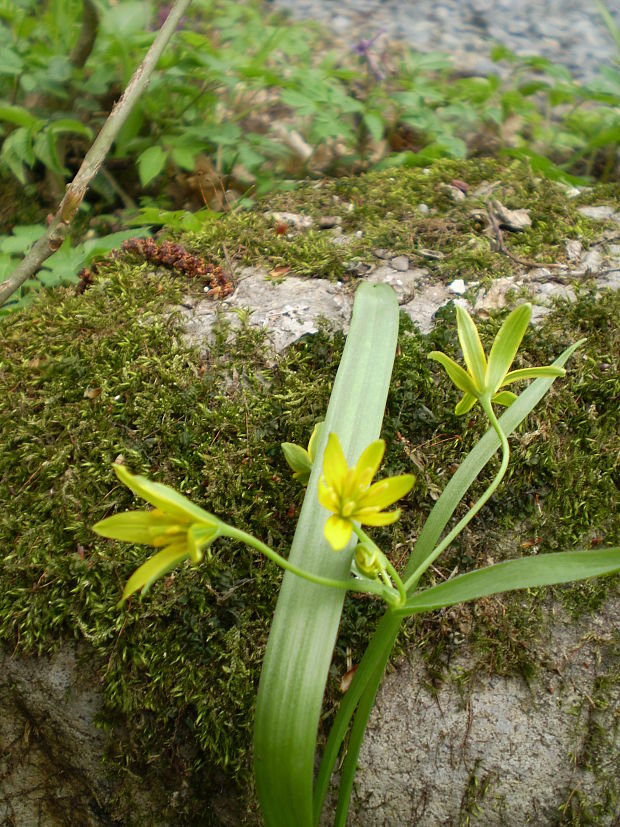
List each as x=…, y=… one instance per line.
x=59, y=224
x=501, y=245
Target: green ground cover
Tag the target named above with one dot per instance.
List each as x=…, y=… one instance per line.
x=88, y=378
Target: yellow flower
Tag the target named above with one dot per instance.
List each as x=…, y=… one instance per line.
x=483, y=381
x=348, y=494
x=182, y=528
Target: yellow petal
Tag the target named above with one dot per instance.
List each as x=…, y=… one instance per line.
x=473, y=352
x=338, y=532
x=199, y=536
x=134, y=526
x=385, y=492
x=164, y=498
x=154, y=568
x=379, y=517
x=465, y=405
x=368, y=463
x=328, y=497
x=334, y=464
x=314, y=440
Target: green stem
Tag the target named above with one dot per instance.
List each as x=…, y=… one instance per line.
x=412, y=581
x=365, y=586
x=396, y=581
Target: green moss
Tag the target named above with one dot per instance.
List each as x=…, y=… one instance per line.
x=89, y=378
x=380, y=210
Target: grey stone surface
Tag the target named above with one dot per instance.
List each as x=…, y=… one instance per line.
x=287, y=309
x=567, y=32
x=49, y=746
x=291, y=307
x=518, y=750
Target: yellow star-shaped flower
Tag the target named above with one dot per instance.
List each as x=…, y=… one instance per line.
x=182, y=528
x=483, y=381
x=348, y=494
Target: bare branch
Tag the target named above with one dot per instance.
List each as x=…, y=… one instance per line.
x=88, y=34
x=76, y=190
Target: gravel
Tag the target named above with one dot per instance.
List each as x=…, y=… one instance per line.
x=567, y=32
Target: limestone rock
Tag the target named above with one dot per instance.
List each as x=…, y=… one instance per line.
x=500, y=752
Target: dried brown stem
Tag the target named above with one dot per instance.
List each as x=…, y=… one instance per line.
x=76, y=190
x=87, y=36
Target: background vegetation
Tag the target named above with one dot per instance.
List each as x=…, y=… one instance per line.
x=244, y=103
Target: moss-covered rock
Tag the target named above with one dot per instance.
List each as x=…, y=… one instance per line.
x=86, y=379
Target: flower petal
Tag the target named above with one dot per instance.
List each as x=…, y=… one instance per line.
x=385, y=492
x=473, y=352
x=328, y=497
x=338, y=532
x=164, y=497
x=465, y=405
x=314, y=440
x=368, y=463
x=199, y=535
x=133, y=526
x=154, y=568
x=505, y=398
x=506, y=344
x=334, y=463
x=532, y=373
x=380, y=518
x=460, y=377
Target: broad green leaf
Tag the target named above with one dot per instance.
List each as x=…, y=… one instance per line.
x=184, y=156
x=506, y=344
x=524, y=573
x=307, y=617
x=375, y=125
x=70, y=125
x=46, y=151
x=10, y=62
x=19, y=116
x=150, y=163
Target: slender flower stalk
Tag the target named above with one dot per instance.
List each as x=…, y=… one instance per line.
x=185, y=530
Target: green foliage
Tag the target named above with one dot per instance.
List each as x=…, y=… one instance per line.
x=260, y=99
x=62, y=268
x=185, y=665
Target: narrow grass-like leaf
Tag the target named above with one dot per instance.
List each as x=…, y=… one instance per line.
x=307, y=616
x=524, y=573
x=378, y=651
